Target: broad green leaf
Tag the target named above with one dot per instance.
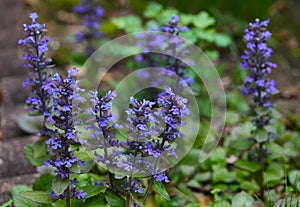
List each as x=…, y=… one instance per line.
x=212, y=54
x=219, y=155
x=276, y=150
x=113, y=199
x=261, y=135
x=37, y=196
x=249, y=186
x=19, y=188
x=92, y=190
x=191, y=35
x=59, y=184
x=232, y=117
x=221, y=174
x=138, y=201
x=222, y=40
x=153, y=10
x=36, y=155
x=242, y=199
x=129, y=23
x=76, y=59
x=20, y=201
x=43, y=183
x=186, y=19
x=221, y=204
x=74, y=203
x=203, y=20
x=247, y=165
x=39, y=149
x=161, y=190
x=191, y=156
x=77, y=168
x=30, y=124
x=294, y=178
x=95, y=201
x=274, y=174
x=204, y=35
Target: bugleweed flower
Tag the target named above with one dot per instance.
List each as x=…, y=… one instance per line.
x=37, y=63
x=258, y=85
x=73, y=192
x=91, y=15
x=173, y=28
x=65, y=98
x=172, y=44
x=104, y=129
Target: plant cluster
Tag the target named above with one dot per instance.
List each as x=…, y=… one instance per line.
x=92, y=160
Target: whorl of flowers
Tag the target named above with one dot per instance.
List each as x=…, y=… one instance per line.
x=37, y=63
x=105, y=125
x=173, y=27
x=91, y=15
x=255, y=61
x=65, y=98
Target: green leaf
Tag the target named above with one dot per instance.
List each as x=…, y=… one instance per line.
x=247, y=165
x=249, y=186
x=242, y=199
x=203, y=20
x=20, y=201
x=261, y=135
x=138, y=201
x=153, y=10
x=274, y=174
x=232, y=117
x=161, y=190
x=221, y=204
x=37, y=196
x=113, y=199
x=92, y=190
x=222, y=40
x=59, y=184
x=95, y=201
x=36, y=153
x=129, y=23
x=30, y=124
x=219, y=155
x=76, y=59
x=186, y=19
x=77, y=168
x=294, y=178
x=220, y=173
x=43, y=183
x=19, y=188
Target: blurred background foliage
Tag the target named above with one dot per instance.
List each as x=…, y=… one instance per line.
x=231, y=18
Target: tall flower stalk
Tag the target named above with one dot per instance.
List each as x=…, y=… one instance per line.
x=65, y=98
x=259, y=87
x=91, y=15
x=38, y=65
x=104, y=130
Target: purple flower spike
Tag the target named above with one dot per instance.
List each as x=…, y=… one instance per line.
x=255, y=61
x=257, y=84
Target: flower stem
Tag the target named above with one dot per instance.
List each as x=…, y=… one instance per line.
x=67, y=191
x=148, y=190
x=261, y=172
x=128, y=192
